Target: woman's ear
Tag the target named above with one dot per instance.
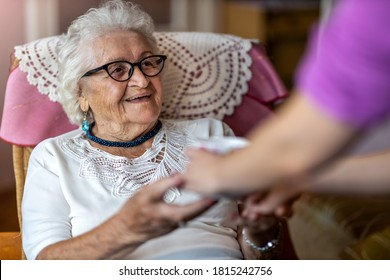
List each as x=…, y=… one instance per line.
x=84, y=105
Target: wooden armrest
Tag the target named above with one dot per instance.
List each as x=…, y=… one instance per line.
x=10, y=246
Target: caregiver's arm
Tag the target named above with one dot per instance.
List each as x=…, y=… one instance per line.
x=301, y=138
x=358, y=175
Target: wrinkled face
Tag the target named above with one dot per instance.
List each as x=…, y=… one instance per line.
x=136, y=101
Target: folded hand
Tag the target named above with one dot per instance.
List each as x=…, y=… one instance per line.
x=147, y=215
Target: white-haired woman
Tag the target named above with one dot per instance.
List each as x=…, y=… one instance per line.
x=85, y=194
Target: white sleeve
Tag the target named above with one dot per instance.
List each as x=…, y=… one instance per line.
x=45, y=211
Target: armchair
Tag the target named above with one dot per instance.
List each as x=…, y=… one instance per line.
x=346, y=227
x=208, y=75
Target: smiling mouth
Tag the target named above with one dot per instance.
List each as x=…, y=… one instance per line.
x=138, y=98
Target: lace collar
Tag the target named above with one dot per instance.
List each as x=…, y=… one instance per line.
x=126, y=176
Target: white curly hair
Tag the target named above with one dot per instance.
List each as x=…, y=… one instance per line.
x=73, y=62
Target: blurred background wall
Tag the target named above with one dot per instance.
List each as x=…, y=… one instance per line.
x=281, y=25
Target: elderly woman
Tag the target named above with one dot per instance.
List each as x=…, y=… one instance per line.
x=105, y=191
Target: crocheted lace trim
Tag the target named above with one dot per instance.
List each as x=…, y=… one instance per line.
x=39, y=60
x=206, y=74
x=126, y=176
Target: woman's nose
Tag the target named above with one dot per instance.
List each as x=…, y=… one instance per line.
x=138, y=79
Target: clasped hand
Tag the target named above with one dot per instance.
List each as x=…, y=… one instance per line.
x=147, y=215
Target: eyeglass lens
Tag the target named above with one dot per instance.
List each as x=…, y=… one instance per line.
x=149, y=66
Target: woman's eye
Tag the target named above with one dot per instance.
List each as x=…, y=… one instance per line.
x=117, y=70
x=147, y=63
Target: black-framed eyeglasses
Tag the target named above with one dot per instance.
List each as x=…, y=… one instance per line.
x=122, y=70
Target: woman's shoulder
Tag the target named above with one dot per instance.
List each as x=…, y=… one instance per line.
x=52, y=142
x=204, y=127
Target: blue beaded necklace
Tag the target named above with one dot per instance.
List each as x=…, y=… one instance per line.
x=129, y=144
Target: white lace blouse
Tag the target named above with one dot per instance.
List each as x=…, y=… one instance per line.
x=72, y=187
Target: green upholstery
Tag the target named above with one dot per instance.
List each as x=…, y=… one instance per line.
x=331, y=227
x=373, y=247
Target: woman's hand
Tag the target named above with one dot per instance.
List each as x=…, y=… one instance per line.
x=277, y=201
x=147, y=215
x=256, y=234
